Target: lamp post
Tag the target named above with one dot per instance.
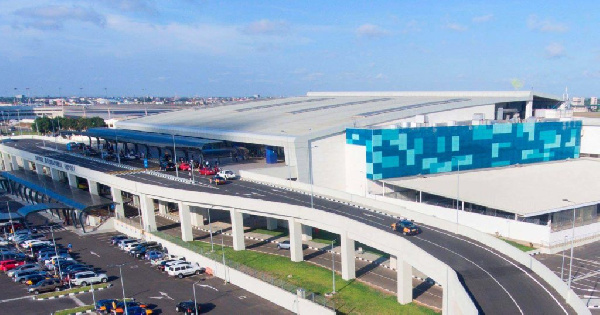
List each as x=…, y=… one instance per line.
x=224, y=264
x=572, y=244
x=563, y=262
x=195, y=301
x=287, y=158
x=212, y=245
x=312, y=204
x=10, y=218
x=122, y=285
x=333, y=266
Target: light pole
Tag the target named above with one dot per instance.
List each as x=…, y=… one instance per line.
x=333, y=266
x=212, y=245
x=572, y=244
x=287, y=157
x=310, y=147
x=122, y=285
x=10, y=218
x=563, y=262
x=224, y=265
x=175, y=156
x=195, y=301
x=19, y=119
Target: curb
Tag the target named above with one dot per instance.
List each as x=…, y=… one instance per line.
x=79, y=313
x=35, y=298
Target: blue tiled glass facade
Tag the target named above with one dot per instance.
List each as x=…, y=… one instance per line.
x=430, y=150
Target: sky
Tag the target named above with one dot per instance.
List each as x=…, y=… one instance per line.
x=287, y=48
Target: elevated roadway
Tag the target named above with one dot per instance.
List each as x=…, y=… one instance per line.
x=497, y=284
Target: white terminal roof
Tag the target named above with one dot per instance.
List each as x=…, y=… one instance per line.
x=527, y=190
x=269, y=121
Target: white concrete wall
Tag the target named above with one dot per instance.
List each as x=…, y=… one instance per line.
x=590, y=139
x=269, y=292
x=328, y=162
x=456, y=115
x=356, y=161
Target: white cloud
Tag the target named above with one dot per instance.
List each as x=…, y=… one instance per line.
x=455, y=27
x=547, y=25
x=267, y=27
x=591, y=74
x=132, y=5
x=313, y=76
x=555, y=51
x=371, y=31
x=380, y=76
x=483, y=18
x=55, y=16
x=411, y=26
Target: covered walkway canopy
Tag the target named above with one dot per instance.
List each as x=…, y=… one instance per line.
x=27, y=210
x=147, y=138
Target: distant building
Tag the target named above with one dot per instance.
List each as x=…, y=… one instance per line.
x=578, y=101
x=594, y=100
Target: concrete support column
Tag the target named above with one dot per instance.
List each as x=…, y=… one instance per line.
x=147, y=210
x=185, y=221
x=529, y=109
x=55, y=175
x=93, y=187
x=117, y=197
x=271, y=224
x=196, y=218
x=162, y=207
x=404, y=271
x=26, y=165
x=306, y=232
x=72, y=178
x=348, y=260
x=393, y=261
x=15, y=164
x=295, y=231
x=39, y=169
x=237, y=229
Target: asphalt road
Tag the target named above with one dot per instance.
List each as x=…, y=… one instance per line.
x=498, y=284
x=142, y=282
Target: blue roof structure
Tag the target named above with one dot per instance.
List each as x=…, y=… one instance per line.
x=26, y=210
x=148, y=138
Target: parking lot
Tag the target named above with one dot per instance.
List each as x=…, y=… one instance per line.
x=141, y=281
x=585, y=272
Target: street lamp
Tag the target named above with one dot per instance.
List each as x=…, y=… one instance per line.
x=312, y=205
x=10, y=218
x=212, y=245
x=333, y=266
x=563, y=261
x=195, y=301
x=122, y=285
x=572, y=244
x=224, y=265
x=175, y=156
x=287, y=157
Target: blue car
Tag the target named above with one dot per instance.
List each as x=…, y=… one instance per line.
x=152, y=255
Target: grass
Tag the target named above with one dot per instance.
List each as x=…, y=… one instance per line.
x=75, y=310
x=352, y=297
x=522, y=247
x=277, y=232
x=74, y=290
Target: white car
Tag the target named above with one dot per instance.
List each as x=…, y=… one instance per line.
x=176, y=263
x=87, y=277
x=129, y=246
x=182, y=270
x=52, y=260
x=28, y=243
x=126, y=241
x=227, y=174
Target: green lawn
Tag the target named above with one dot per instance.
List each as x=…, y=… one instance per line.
x=277, y=232
x=74, y=310
x=353, y=297
x=522, y=247
x=325, y=237
x=73, y=290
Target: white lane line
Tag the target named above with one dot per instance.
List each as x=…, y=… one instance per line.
x=510, y=262
x=77, y=301
x=481, y=268
x=16, y=299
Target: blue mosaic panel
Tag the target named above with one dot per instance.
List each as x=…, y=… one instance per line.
x=429, y=150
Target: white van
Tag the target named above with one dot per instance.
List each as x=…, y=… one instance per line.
x=182, y=270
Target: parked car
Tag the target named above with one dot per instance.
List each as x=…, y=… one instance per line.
x=9, y=264
x=283, y=245
x=35, y=278
x=153, y=255
x=21, y=277
x=45, y=286
x=182, y=270
x=227, y=174
x=136, y=310
x=187, y=307
x=127, y=241
x=218, y=180
x=23, y=267
x=167, y=166
x=406, y=227
x=119, y=307
x=185, y=166
x=129, y=246
x=104, y=306
x=115, y=239
x=87, y=277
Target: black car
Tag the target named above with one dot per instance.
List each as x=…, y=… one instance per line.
x=167, y=166
x=115, y=239
x=187, y=307
x=406, y=227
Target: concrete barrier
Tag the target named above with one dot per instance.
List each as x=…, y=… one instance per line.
x=267, y=291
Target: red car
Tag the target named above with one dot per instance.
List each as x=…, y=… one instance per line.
x=184, y=166
x=9, y=264
x=208, y=171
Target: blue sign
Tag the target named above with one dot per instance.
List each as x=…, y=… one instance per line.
x=145, y=163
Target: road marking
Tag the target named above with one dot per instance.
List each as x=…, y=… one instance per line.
x=241, y=297
x=77, y=301
x=15, y=299
x=165, y=295
x=93, y=253
x=207, y=286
